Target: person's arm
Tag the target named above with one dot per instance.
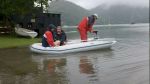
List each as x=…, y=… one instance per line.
x=63, y=38
x=90, y=28
x=50, y=39
x=91, y=22
x=55, y=36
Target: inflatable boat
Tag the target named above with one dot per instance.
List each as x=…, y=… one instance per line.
x=25, y=32
x=73, y=46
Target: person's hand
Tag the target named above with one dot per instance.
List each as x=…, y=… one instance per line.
x=95, y=32
x=57, y=43
x=64, y=43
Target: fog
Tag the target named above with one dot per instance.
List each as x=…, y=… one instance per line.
x=89, y=4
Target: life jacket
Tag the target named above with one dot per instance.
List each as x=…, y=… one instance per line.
x=49, y=38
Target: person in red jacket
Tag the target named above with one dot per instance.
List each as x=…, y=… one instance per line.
x=86, y=25
x=47, y=39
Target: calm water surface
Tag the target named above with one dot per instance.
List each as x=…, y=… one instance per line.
x=127, y=62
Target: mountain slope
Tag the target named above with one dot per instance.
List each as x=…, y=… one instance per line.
x=71, y=13
x=119, y=14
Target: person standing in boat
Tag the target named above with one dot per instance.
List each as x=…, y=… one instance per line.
x=60, y=35
x=86, y=25
x=47, y=39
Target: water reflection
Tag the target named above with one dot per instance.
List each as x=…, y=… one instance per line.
x=77, y=68
x=16, y=66
x=17, y=61
x=92, y=67
x=56, y=70
x=86, y=66
x=53, y=69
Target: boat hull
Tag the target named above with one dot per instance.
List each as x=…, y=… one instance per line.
x=72, y=46
x=25, y=32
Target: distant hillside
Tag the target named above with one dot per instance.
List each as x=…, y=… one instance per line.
x=71, y=13
x=116, y=14
x=119, y=14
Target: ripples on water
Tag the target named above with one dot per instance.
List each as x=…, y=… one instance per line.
x=127, y=62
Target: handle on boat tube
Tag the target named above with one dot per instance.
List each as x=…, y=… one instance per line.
x=95, y=34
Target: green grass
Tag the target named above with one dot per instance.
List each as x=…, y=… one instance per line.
x=14, y=41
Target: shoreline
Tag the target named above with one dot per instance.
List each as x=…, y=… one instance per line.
x=14, y=41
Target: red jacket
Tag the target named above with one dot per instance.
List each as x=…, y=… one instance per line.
x=48, y=35
x=83, y=25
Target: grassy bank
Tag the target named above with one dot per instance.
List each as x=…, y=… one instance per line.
x=14, y=41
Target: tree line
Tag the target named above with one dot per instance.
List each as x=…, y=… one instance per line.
x=21, y=7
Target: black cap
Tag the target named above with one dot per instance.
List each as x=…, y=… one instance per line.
x=51, y=26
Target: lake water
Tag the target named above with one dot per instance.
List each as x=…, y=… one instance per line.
x=127, y=62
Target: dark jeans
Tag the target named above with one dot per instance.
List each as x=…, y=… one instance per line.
x=44, y=42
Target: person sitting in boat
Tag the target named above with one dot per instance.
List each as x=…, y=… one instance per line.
x=47, y=39
x=86, y=25
x=60, y=35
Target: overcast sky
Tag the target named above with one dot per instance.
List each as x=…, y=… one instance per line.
x=88, y=4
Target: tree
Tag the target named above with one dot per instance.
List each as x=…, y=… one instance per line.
x=44, y=4
x=21, y=7
x=10, y=7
